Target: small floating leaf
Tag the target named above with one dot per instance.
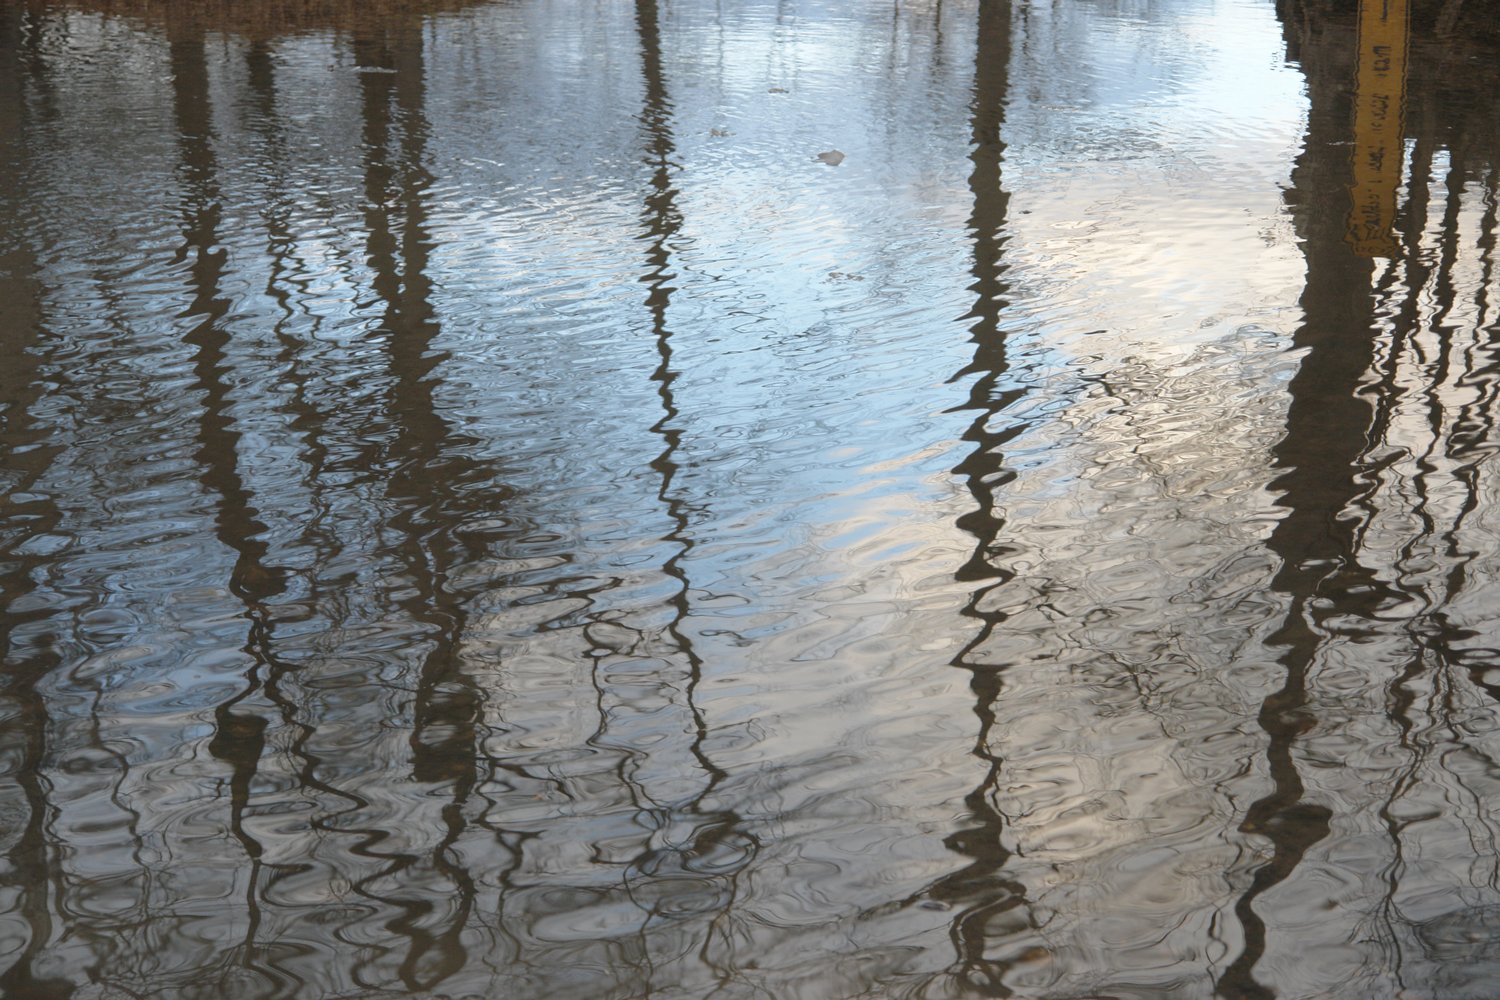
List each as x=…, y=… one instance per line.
x=833, y=157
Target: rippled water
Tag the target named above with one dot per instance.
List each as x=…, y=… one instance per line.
x=486, y=510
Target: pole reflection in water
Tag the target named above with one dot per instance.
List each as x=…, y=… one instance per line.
x=32, y=881
x=1316, y=543
x=430, y=493
x=485, y=510
x=991, y=929
x=239, y=736
x=701, y=849
x=1381, y=486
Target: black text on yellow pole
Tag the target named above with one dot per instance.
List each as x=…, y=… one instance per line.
x=1379, y=107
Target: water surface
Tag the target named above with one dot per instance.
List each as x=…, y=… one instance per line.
x=485, y=510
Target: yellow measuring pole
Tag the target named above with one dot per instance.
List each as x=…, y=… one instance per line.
x=1379, y=108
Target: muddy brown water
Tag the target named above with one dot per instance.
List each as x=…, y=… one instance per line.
x=491, y=506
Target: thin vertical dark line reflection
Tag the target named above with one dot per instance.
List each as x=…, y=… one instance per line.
x=981, y=891
x=28, y=644
x=717, y=833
